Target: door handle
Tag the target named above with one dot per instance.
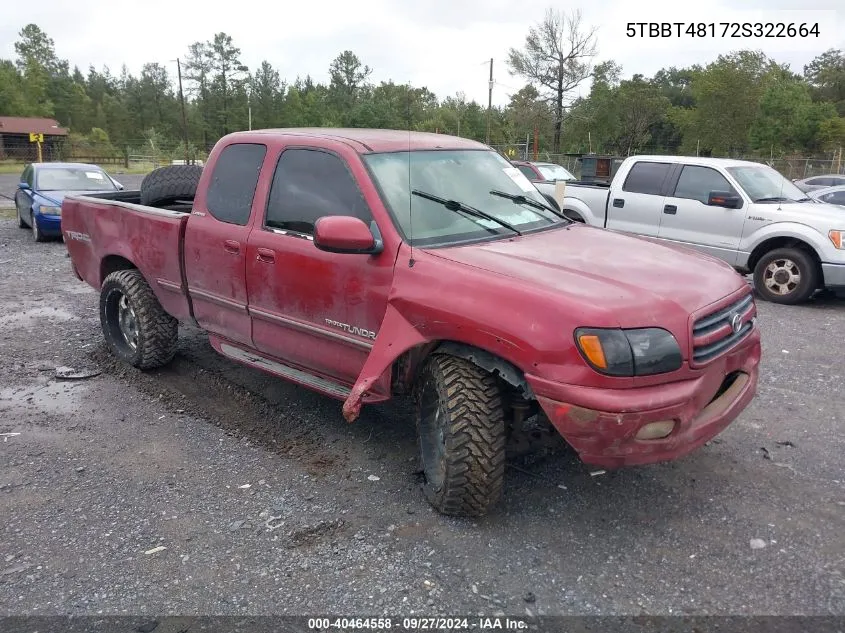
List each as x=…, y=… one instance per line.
x=231, y=246
x=618, y=202
x=671, y=209
x=266, y=255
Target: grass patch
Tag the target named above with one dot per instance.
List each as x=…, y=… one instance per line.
x=8, y=213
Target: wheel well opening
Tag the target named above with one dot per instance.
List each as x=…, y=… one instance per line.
x=407, y=366
x=782, y=242
x=113, y=263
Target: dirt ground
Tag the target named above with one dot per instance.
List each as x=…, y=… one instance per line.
x=210, y=488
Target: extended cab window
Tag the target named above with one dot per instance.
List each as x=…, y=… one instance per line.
x=309, y=184
x=233, y=182
x=646, y=177
x=696, y=183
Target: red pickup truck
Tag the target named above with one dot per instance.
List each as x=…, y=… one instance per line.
x=368, y=263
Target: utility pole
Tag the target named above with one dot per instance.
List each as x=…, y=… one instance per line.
x=182, y=102
x=489, y=100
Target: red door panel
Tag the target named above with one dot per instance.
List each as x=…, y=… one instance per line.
x=314, y=309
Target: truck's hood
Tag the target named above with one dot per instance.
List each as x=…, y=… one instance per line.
x=820, y=215
x=618, y=274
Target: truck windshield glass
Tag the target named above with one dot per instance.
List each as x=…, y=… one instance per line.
x=555, y=172
x=764, y=184
x=73, y=179
x=466, y=176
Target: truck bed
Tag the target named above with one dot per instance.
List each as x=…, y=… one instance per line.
x=112, y=231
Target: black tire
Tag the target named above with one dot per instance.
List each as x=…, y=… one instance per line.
x=37, y=235
x=166, y=185
x=156, y=331
x=461, y=433
x=572, y=215
x=772, y=271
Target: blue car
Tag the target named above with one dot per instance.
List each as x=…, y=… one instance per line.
x=42, y=188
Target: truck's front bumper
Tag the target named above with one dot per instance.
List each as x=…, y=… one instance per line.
x=602, y=425
x=834, y=275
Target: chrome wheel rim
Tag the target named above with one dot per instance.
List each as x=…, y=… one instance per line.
x=782, y=276
x=127, y=322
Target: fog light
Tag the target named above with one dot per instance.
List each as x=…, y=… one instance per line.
x=655, y=430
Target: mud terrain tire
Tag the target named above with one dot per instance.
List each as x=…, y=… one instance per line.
x=166, y=185
x=461, y=432
x=135, y=326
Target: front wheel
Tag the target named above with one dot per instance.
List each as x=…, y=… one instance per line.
x=786, y=275
x=461, y=429
x=135, y=326
x=37, y=235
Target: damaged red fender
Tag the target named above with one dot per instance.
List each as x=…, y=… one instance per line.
x=395, y=336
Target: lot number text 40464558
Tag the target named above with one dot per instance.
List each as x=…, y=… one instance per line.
x=723, y=29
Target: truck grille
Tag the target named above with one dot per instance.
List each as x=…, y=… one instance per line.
x=719, y=331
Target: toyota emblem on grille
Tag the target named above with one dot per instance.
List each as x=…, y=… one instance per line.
x=736, y=323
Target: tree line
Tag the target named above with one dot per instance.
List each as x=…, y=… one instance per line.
x=738, y=104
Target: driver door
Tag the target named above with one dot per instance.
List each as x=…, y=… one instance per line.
x=690, y=221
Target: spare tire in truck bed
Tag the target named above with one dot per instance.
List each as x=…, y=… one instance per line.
x=166, y=185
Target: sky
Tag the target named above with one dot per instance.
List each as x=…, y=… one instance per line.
x=444, y=45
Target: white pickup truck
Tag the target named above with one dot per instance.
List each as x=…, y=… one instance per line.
x=744, y=213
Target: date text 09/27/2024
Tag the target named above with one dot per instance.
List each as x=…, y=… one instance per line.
x=723, y=29
x=379, y=625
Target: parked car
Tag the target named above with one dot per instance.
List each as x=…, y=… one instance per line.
x=364, y=264
x=537, y=172
x=831, y=195
x=819, y=182
x=744, y=213
x=42, y=188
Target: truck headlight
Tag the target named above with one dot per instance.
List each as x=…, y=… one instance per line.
x=837, y=236
x=48, y=210
x=637, y=352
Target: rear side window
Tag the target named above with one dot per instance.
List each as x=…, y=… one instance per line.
x=837, y=181
x=233, y=182
x=825, y=182
x=696, y=183
x=529, y=173
x=309, y=184
x=646, y=177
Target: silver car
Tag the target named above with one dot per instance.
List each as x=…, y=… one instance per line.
x=820, y=182
x=831, y=195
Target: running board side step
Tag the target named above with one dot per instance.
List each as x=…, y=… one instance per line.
x=254, y=359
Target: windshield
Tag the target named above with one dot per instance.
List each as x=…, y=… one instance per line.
x=464, y=176
x=73, y=179
x=554, y=172
x=761, y=182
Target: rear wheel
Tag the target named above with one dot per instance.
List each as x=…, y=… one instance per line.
x=786, y=275
x=135, y=326
x=461, y=431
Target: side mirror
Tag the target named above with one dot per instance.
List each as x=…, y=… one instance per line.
x=346, y=234
x=23, y=186
x=725, y=199
x=117, y=184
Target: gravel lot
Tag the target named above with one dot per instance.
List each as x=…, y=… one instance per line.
x=263, y=500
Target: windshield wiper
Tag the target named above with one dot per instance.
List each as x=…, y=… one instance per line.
x=773, y=199
x=520, y=199
x=454, y=205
